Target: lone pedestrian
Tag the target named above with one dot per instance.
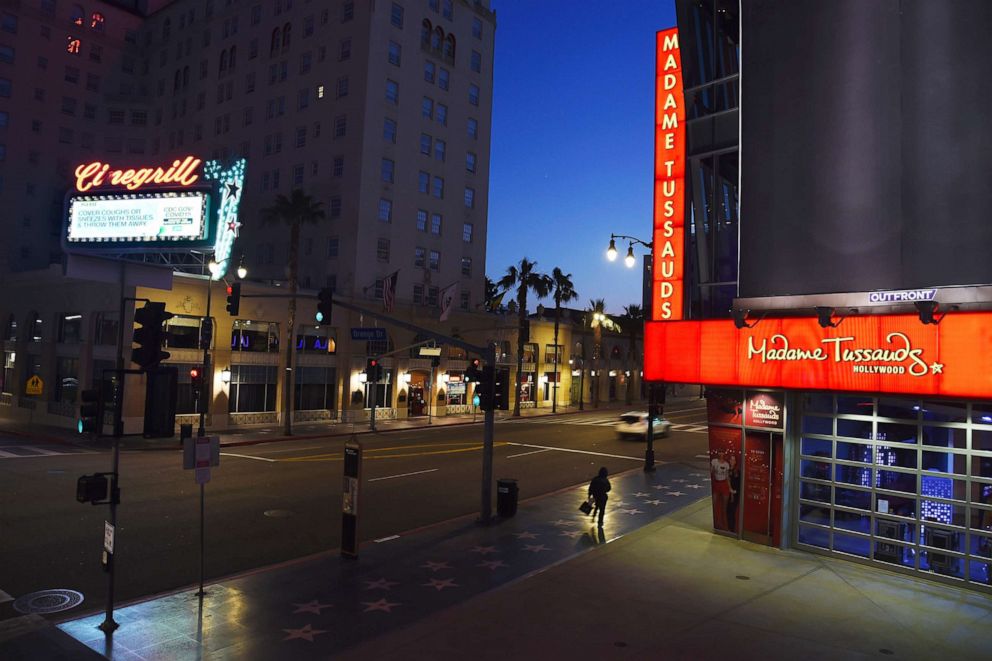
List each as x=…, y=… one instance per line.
x=598, y=489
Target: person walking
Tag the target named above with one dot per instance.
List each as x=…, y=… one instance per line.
x=598, y=489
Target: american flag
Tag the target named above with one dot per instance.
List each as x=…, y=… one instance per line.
x=389, y=291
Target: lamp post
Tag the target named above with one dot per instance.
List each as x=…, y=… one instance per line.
x=655, y=407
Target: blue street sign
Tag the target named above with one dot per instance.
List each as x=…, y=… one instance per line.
x=369, y=334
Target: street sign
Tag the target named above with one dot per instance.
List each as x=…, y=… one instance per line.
x=369, y=334
x=35, y=386
x=108, y=537
x=191, y=448
x=430, y=351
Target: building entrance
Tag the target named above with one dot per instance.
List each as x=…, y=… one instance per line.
x=417, y=401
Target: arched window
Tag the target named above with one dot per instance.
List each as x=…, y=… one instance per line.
x=274, y=46
x=78, y=15
x=437, y=38
x=177, y=81
x=233, y=57
x=425, y=32
x=223, y=61
x=287, y=32
x=97, y=21
x=10, y=332
x=449, y=47
x=34, y=327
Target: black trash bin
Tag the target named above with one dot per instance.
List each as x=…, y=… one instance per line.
x=506, y=497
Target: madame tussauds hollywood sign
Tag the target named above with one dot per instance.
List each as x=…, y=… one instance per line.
x=899, y=357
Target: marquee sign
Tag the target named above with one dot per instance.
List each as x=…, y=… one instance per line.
x=184, y=205
x=669, y=180
x=886, y=354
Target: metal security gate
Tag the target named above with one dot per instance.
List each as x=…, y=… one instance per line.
x=902, y=483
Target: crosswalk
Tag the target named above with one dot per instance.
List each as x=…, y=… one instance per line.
x=587, y=421
x=34, y=451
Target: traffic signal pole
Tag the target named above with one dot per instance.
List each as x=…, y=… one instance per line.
x=204, y=394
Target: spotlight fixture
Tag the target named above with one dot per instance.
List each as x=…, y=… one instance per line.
x=824, y=316
x=740, y=318
x=611, y=252
x=927, y=311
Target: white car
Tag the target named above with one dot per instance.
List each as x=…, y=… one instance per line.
x=634, y=424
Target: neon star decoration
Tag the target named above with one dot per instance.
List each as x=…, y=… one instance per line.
x=230, y=183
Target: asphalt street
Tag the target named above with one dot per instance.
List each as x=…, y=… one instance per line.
x=274, y=502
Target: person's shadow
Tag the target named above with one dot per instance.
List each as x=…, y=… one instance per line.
x=593, y=537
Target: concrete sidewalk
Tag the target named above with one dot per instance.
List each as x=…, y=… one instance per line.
x=675, y=590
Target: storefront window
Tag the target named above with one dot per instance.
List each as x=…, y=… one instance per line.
x=456, y=389
x=383, y=391
x=253, y=388
x=257, y=336
x=70, y=328
x=183, y=332
x=185, y=402
x=66, y=379
x=315, y=388
x=315, y=339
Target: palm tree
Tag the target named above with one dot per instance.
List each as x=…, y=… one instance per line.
x=295, y=210
x=633, y=316
x=524, y=278
x=563, y=292
x=598, y=321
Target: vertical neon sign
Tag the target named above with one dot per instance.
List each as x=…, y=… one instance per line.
x=669, y=180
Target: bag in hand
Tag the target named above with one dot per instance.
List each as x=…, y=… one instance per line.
x=585, y=507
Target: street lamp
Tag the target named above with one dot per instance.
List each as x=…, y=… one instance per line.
x=213, y=267
x=242, y=269
x=611, y=252
x=629, y=260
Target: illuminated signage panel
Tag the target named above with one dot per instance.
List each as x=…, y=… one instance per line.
x=886, y=354
x=143, y=217
x=669, y=180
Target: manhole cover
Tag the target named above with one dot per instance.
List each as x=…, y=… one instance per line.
x=278, y=514
x=48, y=601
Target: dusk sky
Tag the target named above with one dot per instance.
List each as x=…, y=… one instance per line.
x=572, y=139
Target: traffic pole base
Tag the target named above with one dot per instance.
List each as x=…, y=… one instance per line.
x=108, y=626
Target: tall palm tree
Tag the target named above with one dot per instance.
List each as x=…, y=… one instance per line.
x=296, y=210
x=598, y=320
x=524, y=278
x=563, y=292
x=633, y=316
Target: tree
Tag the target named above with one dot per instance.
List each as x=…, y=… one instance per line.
x=598, y=320
x=494, y=299
x=633, y=316
x=563, y=292
x=296, y=210
x=524, y=278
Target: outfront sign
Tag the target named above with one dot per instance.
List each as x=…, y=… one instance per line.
x=140, y=218
x=669, y=180
x=886, y=354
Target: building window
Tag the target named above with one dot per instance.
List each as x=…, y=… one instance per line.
x=389, y=130
x=385, y=210
x=425, y=144
x=421, y=220
x=10, y=330
x=252, y=388
x=9, y=361
x=253, y=336
x=477, y=28
x=470, y=162
x=342, y=86
x=66, y=379
x=344, y=50
x=467, y=266
x=418, y=294
x=464, y=300
x=382, y=250
x=437, y=187
x=8, y=23
x=448, y=11
x=333, y=244
x=392, y=92
x=439, y=150
x=423, y=182
x=473, y=128
x=436, y=224
x=6, y=54
x=335, y=206
x=427, y=107
x=316, y=386
x=396, y=16
x=469, y=198
x=429, y=72
x=394, y=53
x=105, y=329
x=419, y=257
x=347, y=11
x=476, y=63
x=432, y=296
x=435, y=261
x=442, y=114
x=467, y=229
x=5, y=87
x=72, y=45
x=340, y=126
x=449, y=48
x=337, y=169
x=473, y=94
x=386, y=170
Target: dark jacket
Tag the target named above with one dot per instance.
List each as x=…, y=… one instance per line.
x=598, y=488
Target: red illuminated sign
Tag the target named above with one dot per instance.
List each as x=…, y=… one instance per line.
x=96, y=174
x=669, y=179
x=886, y=354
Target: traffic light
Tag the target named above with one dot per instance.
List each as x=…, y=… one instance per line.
x=90, y=412
x=196, y=379
x=233, y=298
x=474, y=370
x=324, y=301
x=373, y=370
x=484, y=389
x=149, y=336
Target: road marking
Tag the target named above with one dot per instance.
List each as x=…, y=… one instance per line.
x=336, y=456
x=312, y=447
x=247, y=456
x=524, y=454
x=702, y=456
x=598, y=454
x=393, y=477
x=386, y=539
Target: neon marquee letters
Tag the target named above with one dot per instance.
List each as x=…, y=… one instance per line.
x=96, y=174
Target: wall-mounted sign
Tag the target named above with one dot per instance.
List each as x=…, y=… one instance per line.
x=905, y=296
x=885, y=353
x=669, y=179
x=765, y=410
x=138, y=218
x=99, y=175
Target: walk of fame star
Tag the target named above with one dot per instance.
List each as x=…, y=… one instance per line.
x=536, y=548
x=311, y=607
x=483, y=550
x=435, y=566
x=440, y=584
x=492, y=564
x=381, y=605
x=381, y=584
x=306, y=633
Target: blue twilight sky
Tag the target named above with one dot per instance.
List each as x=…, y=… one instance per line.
x=572, y=139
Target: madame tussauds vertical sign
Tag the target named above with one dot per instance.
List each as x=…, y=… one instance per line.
x=669, y=179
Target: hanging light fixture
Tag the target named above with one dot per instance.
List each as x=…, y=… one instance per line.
x=611, y=252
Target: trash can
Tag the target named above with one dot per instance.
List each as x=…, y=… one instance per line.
x=506, y=498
